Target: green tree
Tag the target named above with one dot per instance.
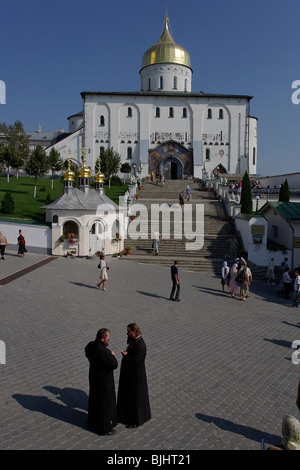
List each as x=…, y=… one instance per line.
x=246, y=195
x=37, y=165
x=56, y=163
x=18, y=143
x=125, y=168
x=7, y=204
x=284, y=193
x=110, y=162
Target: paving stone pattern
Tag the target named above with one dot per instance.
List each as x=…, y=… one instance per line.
x=219, y=370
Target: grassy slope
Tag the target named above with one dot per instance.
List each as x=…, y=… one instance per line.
x=28, y=207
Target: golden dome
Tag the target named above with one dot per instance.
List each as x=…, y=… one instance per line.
x=99, y=177
x=166, y=51
x=69, y=175
x=84, y=171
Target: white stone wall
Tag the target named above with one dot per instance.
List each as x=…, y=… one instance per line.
x=182, y=75
x=225, y=134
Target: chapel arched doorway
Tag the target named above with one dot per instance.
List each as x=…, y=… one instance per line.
x=96, y=237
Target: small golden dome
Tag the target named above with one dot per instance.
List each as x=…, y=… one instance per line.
x=69, y=175
x=166, y=51
x=99, y=177
x=84, y=171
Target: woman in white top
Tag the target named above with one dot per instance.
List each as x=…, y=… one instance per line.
x=103, y=272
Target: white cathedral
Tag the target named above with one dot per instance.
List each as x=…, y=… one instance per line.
x=165, y=126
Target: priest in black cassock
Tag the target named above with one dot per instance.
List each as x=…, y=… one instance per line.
x=102, y=411
x=133, y=400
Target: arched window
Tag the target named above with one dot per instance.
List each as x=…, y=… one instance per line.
x=175, y=83
x=185, y=85
x=209, y=113
x=221, y=114
x=102, y=121
x=171, y=112
x=254, y=156
x=55, y=219
x=157, y=112
x=207, y=154
x=161, y=82
x=129, y=153
x=149, y=84
x=70, y=227
x=129, y=112
x=184, y=113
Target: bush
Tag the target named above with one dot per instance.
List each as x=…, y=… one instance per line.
x=115, y=181
x=8, y=204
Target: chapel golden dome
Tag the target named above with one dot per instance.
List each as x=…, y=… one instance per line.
x=69, y=175
x=99, y=177
x=84, y=171
x=166, y=51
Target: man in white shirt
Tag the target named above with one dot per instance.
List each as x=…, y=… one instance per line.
x=156, y=239
x=296, y=289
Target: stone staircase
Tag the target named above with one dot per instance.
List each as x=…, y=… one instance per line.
x=217, y=230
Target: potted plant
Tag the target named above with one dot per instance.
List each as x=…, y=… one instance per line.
x=116, y=238
x=127, y=250
x=71, y=254
x=137, y=196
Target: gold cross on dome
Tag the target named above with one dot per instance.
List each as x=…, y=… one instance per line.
x=83, y=154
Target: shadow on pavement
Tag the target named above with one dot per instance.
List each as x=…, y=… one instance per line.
x=66, y=412
x=246, y=431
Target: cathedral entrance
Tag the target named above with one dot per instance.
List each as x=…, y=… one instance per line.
x=172, y=160
x=172, y=169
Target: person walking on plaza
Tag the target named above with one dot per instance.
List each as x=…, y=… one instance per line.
x=225, y=279
x=232, y=283
x=296, y=292
x=287, y=283
x=162, y=181
x=103, y=272
x=245, y=282
x=188, y=193
x=270, y=272
x=156, y=240
x=175, y=283
x=102, y=407
x=133, y=405
x=181, y=200
x=21, y=244
x=3, y=244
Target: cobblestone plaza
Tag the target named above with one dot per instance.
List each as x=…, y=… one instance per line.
x=220, y=371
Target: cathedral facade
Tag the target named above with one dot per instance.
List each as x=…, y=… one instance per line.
x=166, y=127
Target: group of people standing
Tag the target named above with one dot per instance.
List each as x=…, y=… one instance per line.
x=20, y=241
x=289, y=283
x=132, y=405
x=237, y=278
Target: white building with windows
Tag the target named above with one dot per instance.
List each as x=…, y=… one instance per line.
x=165, y=126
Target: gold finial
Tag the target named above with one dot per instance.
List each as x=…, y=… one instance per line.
x=99, y=177
x=84, y=171
x=69, y=175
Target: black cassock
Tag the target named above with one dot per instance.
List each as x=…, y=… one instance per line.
x=102, y=411
x=133, y=399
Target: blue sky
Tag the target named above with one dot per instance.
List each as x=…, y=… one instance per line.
x=51, y=51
